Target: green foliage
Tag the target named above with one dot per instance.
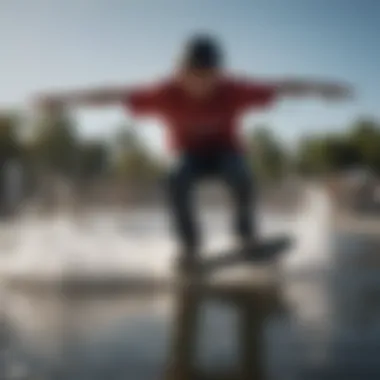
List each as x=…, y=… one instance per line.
x=317, y=155
x=267, y=155
x=133, y=159
x=325, y=155
x=359, y=146
x=55, y=146
x=9, y=144
x=365, y=138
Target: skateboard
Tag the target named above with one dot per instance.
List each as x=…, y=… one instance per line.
x=266, y=252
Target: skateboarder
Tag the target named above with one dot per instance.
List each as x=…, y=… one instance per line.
x=201, y=104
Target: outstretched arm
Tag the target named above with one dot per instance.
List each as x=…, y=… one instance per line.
x=140, y=100
x=258, y=94
x=301, y=88
x=102, y=96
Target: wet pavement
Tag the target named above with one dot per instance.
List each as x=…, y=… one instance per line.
x=321, y=322
x=320, y=326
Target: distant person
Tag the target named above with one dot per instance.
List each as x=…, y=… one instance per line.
x=201, y=104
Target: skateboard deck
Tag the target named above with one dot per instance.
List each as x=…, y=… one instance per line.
x=268, y=251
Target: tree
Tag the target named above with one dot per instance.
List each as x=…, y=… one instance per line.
x=331, y=153
x=10, y=146
x=55, y=146
x=132, y=158
x=325, y=155
x=365, y=137
x=268, y=156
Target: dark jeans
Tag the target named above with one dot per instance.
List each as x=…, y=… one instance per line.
x=231, y=168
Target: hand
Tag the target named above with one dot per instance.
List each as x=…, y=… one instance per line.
x=336, y=92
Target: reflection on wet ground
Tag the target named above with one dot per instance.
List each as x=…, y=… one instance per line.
x=185, y=336
x=325, y=326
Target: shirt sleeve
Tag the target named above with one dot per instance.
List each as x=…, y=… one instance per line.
x=147, y=100
x=249, y=94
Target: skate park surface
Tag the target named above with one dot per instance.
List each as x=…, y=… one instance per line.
x=320, y=321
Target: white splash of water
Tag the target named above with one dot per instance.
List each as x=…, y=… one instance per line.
x=314, y=229
x=60, y=246
x=140, y=242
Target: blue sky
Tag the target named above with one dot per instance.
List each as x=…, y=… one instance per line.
x=49, y=44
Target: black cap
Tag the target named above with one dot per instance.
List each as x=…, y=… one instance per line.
x=203, y=52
